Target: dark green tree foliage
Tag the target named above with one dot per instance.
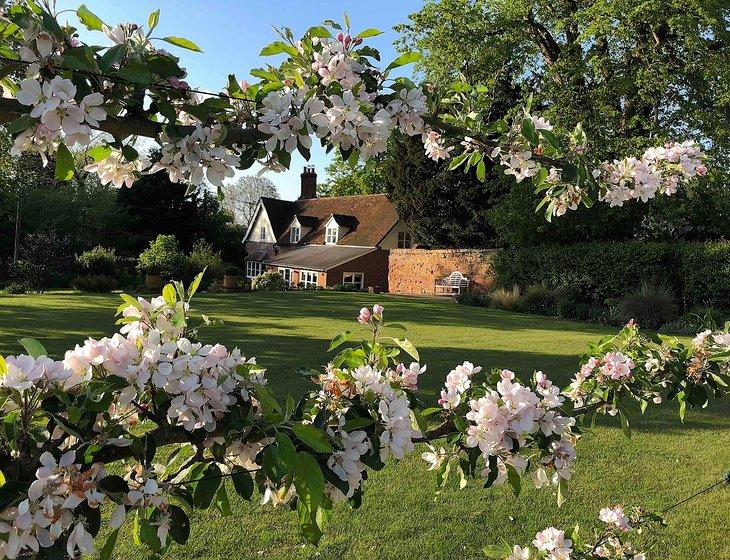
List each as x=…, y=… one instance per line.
x=443, y=208
x=345, y=179
x=634, y=72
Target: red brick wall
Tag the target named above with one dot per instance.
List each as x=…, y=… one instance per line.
x=414, y=271
x=374, y=266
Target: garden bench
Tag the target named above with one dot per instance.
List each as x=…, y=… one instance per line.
x=451, y=284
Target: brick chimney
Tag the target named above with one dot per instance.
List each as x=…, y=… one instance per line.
x=309, y=183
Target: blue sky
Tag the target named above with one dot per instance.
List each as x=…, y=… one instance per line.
x=233, y=32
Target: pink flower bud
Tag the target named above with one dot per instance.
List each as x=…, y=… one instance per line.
x=378, y=309
x=631, y=323
x=74, y=41
x=340, y=37
x=701, y=170
x=245, y=85
x=506, y=375
x=364, y=316
x=347, y=40
x=357, y=41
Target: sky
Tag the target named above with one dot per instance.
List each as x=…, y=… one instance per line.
x=231, y=34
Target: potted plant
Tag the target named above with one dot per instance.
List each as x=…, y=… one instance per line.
x=153, y=279
x=230, y=279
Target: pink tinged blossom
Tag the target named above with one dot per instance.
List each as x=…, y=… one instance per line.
x=378, y=309
x=364, y=316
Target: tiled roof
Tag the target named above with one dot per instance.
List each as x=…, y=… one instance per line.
x=280, y=212
x=367, y=218
x=317, y=257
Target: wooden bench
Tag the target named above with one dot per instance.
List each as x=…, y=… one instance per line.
x=454, y=283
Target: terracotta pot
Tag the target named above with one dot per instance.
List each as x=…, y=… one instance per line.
x=230, y=281
x=153, y=281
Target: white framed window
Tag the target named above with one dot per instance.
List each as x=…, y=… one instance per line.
x=331, y=235
x=254, y=269
x=262, y=233
x=354, y=279
x=295, y=234
x=405, y=240
x=308, y=278
x=286, y=273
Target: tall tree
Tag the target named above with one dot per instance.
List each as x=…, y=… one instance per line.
x=241, y=197
x=346, y=179
x=633, y=71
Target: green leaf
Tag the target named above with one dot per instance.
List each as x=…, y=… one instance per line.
x=319, y=31
x=135, y=73
x=278, y=47
x=99, y=153
x=242, y=482
x=481, y=170
x=562, y=490
x=222, y=504
x=514, y=479
x=89, y=19
x=129, y=153
x=182, y=42
x=111, y=57
x=108, y=549
x=405, y=345
x=625, y=426
x=20, y=124
x=309, y=483
x=179, y=524
x=195, y=284
x=64, y=163
x=153, y=20
x=356, y=423
x=169, y=295
x=205, y=490
x=370, y=32
x=33, y=347
x=402, y=60
x=313, y=437
x=339, y=340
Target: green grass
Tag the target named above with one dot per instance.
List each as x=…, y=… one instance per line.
x=663, y=462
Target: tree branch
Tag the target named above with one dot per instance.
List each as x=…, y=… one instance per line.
x=123, y=127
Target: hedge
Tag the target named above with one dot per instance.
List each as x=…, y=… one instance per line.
x=698, y=272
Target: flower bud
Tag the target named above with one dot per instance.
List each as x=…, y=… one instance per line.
x=340, y=37
x=364, y=316
x=378, y=309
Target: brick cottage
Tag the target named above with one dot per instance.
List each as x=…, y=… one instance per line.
x=325, y=241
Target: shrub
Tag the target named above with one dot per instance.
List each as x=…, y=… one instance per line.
x=45, y=261
x=162, y=257
x=700, y=272
x=540, y=299
x=472, y=299
x=509, y=300
x=346, y=288
x=233, y=271
x=97, y=283
x=649, y=305
x=16, y=288
x=98, y=261
x=695, y=320
x=704, y=269
x=270, y=282
x=204, y=256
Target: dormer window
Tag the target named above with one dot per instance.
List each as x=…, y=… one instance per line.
x=295, y=234
x=262, y=233
x=331, y=234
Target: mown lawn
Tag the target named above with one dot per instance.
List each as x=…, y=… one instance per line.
x=663, y=462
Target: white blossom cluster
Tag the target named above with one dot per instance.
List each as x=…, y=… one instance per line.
x=501, y=421
x=435, y=146
x=48, y=511
x=385, y=390
x=197, y=156
x=515, y=153
x=552, y=544
x=612, y=367
x=60, y=116
x=116, y=170
x=28, y=374
x=658, y=170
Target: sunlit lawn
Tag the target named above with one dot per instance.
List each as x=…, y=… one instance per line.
x=663, y=462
